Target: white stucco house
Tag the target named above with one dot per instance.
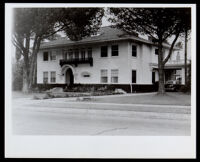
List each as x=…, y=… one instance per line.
x=111, y=57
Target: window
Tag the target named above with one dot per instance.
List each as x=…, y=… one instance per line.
x=53, y=76
x=114, y=50
x=45, y=56
x=104, y=76
x=65, y=55
x=153, y=77
x=90, y=52
x=133, y=76
x=134, y=51
x=52, y=56
x=76, y=54
x=104, y=51
x=70, y=54
x=83, y=54
x=86, y=75
x=156, y=51
x=114, y=76
x=45, y=77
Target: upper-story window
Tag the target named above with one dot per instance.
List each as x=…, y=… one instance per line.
x=70, y=52
x=89, y=52
x=104, y=51
x=115, y=50
x=65, y=55
x=156, y=51
x=76, y=53
x=45, y=56
x=52, y=56
x=134, y=50
x=83, y=53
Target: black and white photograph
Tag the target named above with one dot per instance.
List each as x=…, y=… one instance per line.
x=100, y=80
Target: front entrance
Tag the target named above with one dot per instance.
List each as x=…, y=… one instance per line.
x=69, y=77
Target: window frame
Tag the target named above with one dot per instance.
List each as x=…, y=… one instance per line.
x=133, y=70
x=47, y=78
x=52, y=54
x=104, y=76
x=47, y=52
x=134, y=51
x=114, y=76
x=51, y=78
x=103, y=50
x=156, y=51
x=115, y=50
x=89, y=54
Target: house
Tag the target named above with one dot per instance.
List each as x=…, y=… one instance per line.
x=111, y=58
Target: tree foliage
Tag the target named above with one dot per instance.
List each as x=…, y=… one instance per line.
x=33, y=25
x=80, y=22
x=158, y=23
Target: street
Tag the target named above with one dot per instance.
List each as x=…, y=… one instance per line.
x=60, y=117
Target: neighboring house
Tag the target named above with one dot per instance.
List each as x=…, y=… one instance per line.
x=111, y=57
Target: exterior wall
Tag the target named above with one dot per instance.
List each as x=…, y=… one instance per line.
x=141, y=63
x=124, y=62
x=111, y=62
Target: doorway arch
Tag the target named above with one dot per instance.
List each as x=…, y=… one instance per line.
x=69, y=77
x=68, y=72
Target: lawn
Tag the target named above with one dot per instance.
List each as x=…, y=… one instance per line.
x=171, y=98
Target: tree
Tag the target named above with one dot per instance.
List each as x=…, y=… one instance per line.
x=33, y=25
x=158, y=23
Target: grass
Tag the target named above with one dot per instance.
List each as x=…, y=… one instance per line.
x=170, y=98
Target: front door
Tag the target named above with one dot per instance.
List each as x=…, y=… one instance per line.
x=69, y=77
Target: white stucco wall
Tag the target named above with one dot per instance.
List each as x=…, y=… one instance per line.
x=124, y=62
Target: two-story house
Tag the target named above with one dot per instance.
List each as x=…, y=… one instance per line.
x=111, y=57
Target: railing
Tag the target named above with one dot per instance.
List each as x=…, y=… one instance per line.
x=181, y=61
x=77, y=61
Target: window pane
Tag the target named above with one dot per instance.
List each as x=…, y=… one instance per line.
x=114, y=50
x=53, y=77
x=104, y=73
x=134, y=51
x=104, y=79
x=89, y=52
x=83, y=53
x=133, y=76
x=153, y=77
x=114, y=79
x=156, y=51
x=45, y=56
x=76, y=54
x=70, y=54
x=104, y=51
x=114, y=72
x=45, y=77
x=52, y=56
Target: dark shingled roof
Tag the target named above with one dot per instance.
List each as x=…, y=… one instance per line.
x=106, y=33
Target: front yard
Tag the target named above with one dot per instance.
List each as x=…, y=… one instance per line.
x=171, y=98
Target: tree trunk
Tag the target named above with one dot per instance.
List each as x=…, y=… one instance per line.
x=25, y=87
x=186, y=57
x=161, y=86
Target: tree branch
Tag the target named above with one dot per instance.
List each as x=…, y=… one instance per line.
x=171, y=48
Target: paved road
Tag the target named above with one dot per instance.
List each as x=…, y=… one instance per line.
x=67, y=118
